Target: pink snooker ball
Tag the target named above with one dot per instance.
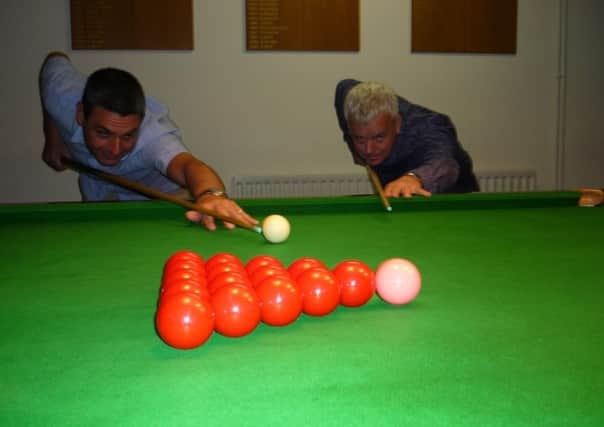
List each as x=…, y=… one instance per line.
x=397, y=281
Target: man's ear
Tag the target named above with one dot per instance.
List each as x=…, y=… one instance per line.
x=80, y=114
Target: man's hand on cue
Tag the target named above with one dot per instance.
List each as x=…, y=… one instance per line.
x=406, y=186
x=222, y=206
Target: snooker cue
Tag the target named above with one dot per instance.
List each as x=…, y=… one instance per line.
x=378, y=187
x=153, y=193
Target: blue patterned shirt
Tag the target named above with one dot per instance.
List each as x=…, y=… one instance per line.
x=426, y=146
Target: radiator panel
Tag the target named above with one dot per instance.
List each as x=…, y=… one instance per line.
x=358, y=184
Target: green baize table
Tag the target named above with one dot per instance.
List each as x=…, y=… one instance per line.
x=508, y=329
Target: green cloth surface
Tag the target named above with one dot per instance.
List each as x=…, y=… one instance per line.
x=508, y=329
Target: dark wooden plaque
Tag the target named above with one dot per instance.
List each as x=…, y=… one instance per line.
x=132, y=24
x=469, y=26
x=304, y=25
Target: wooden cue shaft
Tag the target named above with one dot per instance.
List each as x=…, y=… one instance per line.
x=153, y=193
x=378, y=187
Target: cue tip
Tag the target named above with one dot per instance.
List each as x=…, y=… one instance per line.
x=389, y=208
x=257, y=229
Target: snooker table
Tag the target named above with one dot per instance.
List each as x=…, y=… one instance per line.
x=507, y=330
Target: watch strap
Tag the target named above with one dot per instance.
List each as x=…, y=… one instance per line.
x=214, y=192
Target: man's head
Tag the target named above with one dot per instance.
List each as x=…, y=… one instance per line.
x=371, y=112
x=110, y=113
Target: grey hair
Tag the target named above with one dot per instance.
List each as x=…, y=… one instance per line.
x=368, y=99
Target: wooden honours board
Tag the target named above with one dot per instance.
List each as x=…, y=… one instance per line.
x=132, y=24
x=464, y=26
x=306, y=25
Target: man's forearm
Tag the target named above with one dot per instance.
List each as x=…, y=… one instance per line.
x=193, y=174
x=54, y=147
x=201, y=177
x=437, y=175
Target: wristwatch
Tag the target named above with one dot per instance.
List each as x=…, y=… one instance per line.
x=212, y=191
x=412, y=174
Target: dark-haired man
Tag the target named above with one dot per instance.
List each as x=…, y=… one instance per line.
x=412, y=149
x=106, y=122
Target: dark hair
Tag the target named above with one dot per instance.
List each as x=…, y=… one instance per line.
x=115, y=90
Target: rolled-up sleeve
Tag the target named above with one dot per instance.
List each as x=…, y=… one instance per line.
x=162, y=138
x=61, y=88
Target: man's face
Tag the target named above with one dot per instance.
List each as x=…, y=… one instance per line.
x=372, y=141
x=109, y=136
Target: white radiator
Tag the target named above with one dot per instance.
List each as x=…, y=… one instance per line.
x=507, y=181
x=299, y=185
x=354, y=184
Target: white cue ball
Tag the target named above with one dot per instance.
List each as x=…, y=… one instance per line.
x=275, y=228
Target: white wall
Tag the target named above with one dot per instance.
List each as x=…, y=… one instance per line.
x=583, y=149
x=251, y=113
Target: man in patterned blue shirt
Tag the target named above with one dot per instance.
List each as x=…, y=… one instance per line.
x=413, y=150
x=107, y=123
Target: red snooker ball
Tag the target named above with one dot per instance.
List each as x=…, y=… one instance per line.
x=281, y=301
x=228, y=278
x=182, y=274
x=185, y=254
x=302, y=264
x=262, y=273
x=262, y=261
x=220, y=258
x=224, y=267
x=183, y=286
x=184, y=321
x=356, y=282
x=183, y=265
x=320, y=291
x=237, y=310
